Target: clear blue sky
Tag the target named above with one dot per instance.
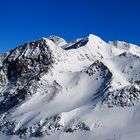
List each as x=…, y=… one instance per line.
x=26, y=20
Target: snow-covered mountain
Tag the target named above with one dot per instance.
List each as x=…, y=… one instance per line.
x=84, y=90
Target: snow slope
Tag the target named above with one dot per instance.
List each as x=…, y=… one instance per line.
x=87, y=89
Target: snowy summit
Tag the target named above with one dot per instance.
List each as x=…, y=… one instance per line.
x=83, y=90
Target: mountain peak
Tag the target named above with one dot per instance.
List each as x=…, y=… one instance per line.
x=47, y=89
x=58, y=41
x=94, y=38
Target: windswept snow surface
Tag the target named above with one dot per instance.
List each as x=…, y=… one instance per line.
x=84, y=90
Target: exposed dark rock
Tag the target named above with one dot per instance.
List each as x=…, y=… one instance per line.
x=81, y=126
x=128, y=96
x=21, y=69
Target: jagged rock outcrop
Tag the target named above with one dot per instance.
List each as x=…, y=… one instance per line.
x=21, y=70
x=125, y=97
